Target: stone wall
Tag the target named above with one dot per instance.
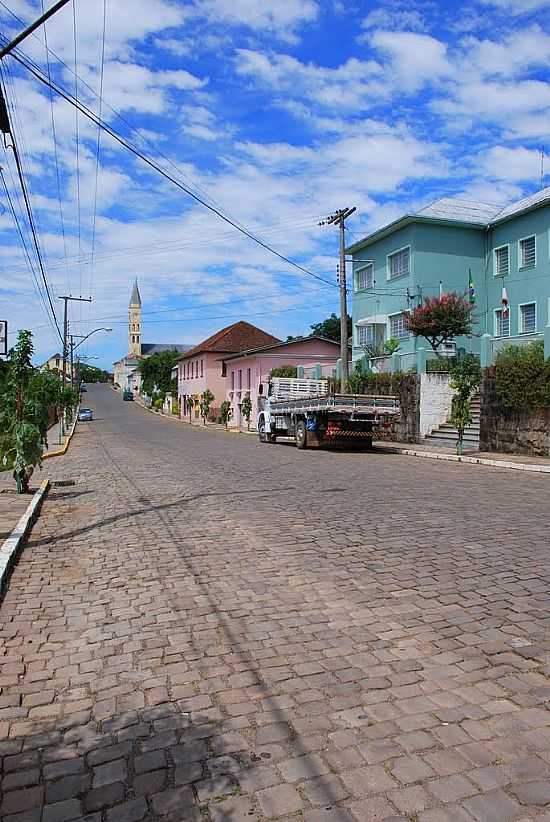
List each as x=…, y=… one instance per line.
x=514, y=432
x=407, y=427
x=435, y=400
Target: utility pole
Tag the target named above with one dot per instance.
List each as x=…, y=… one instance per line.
x=29, y=30
x=66, y=329
x=338, y=218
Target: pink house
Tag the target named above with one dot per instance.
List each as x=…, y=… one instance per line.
x=201, y=367
x=246, y=370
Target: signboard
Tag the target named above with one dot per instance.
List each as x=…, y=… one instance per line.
x=3, y=337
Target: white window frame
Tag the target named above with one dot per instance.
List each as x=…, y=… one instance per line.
x=499, y=248
x=496, y=311
x=358, y=334
x=520, y=318
x=370, y=264
x=526, y=267
x=388, y=267
x=406, y=335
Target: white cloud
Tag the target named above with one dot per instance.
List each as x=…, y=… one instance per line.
x=396, y=18
x=518, y=7
x=510, y=56
x=354, y=85
x=415, y=59
x=511, y=164
x=281, y=17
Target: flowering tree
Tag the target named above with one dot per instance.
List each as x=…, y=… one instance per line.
x=440, y=319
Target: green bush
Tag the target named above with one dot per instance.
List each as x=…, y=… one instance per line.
x=158, y=403
x=284, y=371
x=522, y=377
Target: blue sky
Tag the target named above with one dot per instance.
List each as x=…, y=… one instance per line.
x=275, y=112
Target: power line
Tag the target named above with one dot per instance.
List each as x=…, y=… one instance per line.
x=54, y=137
x=155, y=166
x=77, y=136
x=98, y=145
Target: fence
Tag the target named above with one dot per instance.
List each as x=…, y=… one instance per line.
x=492, y=346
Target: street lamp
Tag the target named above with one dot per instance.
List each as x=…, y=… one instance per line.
x=82, y=339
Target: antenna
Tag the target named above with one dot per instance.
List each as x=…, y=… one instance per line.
x=542, y=153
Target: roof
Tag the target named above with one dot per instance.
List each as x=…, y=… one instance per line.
x=280, y=344
x=135, y=299
x=241, y=336
x=154, y=348
x=526, y=204
x=460, y=213
x=464, y=211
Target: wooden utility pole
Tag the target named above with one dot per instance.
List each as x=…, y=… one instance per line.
x=339, y=218
x=66, y=329
x=29, y=30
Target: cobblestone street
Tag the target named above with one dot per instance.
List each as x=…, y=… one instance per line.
x=207, y=628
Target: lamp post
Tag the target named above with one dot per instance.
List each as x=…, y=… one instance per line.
x=82, y=339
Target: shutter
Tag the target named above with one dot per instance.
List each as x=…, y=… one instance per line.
x=528, y=252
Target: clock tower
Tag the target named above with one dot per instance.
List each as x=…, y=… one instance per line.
x=134, y=322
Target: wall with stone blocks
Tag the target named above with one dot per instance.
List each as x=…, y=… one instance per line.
x=513, y=432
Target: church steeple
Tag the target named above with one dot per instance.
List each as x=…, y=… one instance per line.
x=134, y=321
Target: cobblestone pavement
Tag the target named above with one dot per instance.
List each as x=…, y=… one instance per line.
x=206, y=628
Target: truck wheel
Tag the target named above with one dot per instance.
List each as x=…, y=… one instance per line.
x=264, y=437
x=261, y=431
x=301, y=434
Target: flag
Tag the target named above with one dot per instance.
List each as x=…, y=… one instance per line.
x=505, y=306
x=471, y=289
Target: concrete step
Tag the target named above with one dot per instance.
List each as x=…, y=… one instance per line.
x=450, y=429
x=452, y=439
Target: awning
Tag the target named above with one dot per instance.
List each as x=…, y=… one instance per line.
x=374, y=319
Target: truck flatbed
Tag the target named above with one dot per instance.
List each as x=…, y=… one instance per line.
x=354, y=404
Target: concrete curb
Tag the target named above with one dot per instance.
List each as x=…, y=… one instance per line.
x=59, y=453
x=210, y=427
x=433, y=455
x=11, y=548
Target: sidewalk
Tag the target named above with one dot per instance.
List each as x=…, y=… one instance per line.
x=495, y=459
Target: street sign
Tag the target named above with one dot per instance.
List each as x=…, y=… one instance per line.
x=3, y=337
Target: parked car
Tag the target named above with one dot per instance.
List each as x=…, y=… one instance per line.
x=85, y=415
x=83, y=389
x=127, y=395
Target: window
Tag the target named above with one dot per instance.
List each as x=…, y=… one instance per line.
x=232, y=380
x=527, y=252
x=527, y=318
x=397, y=326
x=240, y=379
x=365, y=334
x=502, y=323
x=399, y=263
x=364, y=277
x=502, y=261
x=248, y=378
x=201, y=368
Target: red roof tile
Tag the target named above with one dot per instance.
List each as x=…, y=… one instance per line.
x=240, y=336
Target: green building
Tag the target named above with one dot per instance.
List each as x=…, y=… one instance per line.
x=506, y=251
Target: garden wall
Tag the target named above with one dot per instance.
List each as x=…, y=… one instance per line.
x=435, y=400
x=511, y=431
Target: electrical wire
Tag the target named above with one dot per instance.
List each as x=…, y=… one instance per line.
x=26, y=250
x=39, y=75
x=92, y=253
x=54, y=137
x=77, y=136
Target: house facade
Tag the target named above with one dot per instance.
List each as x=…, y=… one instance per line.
x=55, y=363
x=247, y=370
x=437, y=250
x=202, y=367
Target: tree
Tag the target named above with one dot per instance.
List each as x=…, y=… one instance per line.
x=441, y=319
x=156, y=372
x=25, y=399
x=207, y=398
x=246, y=409
x=330, y=328
x=465, y=379
x=89, y=373
x=226, y=412
x=284, y=371
x=190, y=405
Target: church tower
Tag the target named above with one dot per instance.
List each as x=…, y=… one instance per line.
x=134, y=322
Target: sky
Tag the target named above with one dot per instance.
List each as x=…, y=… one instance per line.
x=275, y=113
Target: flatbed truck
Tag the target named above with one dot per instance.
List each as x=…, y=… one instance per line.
x=307, y=411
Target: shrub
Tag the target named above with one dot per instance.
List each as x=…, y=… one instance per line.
x=522, y=377
x=284, y=371
x=226, y=412
x=441, y=319
x=206, y=400
x=465, y=379
x=246, y=409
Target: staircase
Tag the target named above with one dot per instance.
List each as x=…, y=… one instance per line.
x=446, y=436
